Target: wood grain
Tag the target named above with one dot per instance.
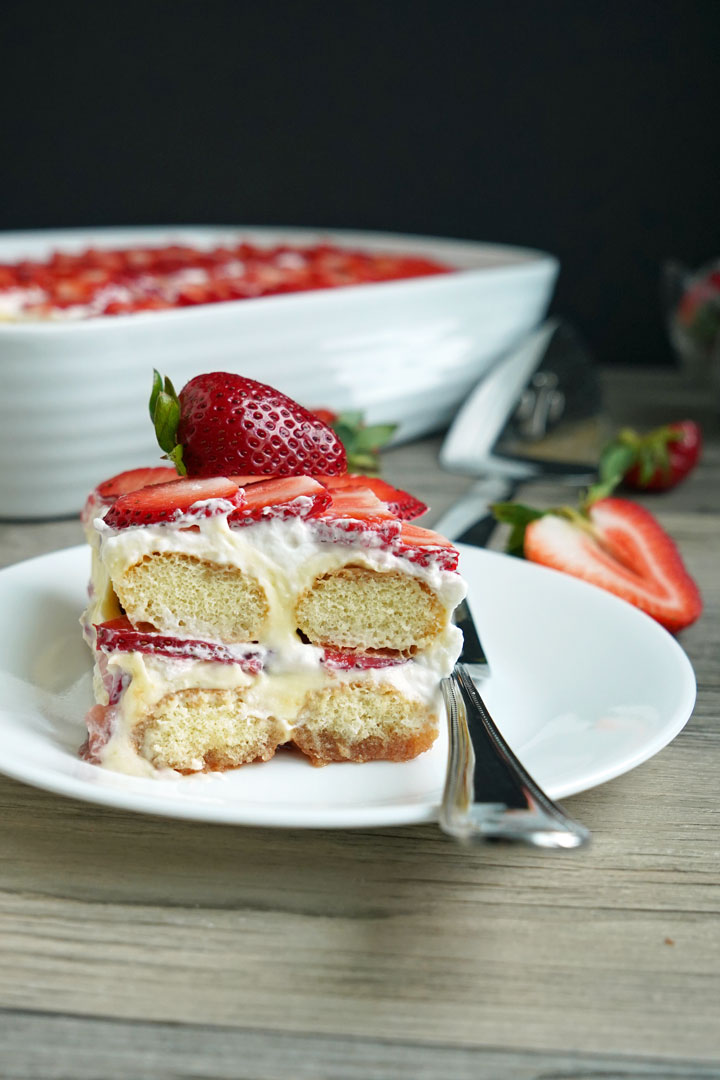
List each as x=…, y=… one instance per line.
x=47, y=1047
x=135, y=946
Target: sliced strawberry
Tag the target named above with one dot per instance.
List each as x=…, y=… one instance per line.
x=114, y=681
x=184, y=499
x=124, y=482
x=119, y=635
x=133, y=479
x=622, y=549
x=99, y=720
x=338, y=660
x=245, y=481
x=357, y=511
x=426, y=548
x=400, y=503
x=281, y=497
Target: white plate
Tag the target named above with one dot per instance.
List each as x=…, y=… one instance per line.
x=583, y=686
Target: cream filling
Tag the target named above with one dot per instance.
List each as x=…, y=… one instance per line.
x=279, y=691
x=284, y=556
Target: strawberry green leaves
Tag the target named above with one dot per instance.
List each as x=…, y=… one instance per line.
x=615, y=459
x=655, y=461
x=518, y=517
x=362, y=442
x=165, y=415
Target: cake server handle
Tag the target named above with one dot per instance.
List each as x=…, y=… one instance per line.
x=489, y=795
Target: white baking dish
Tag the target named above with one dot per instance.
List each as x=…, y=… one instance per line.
x=74, y=404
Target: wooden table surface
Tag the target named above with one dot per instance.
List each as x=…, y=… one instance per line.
x=137, y=947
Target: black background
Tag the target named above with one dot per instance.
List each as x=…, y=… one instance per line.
x=589, y=129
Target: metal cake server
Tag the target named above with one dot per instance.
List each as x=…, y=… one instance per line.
x=489, y=794
x=538, y=413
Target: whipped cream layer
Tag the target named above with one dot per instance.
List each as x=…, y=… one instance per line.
x=285, y=556
x=278, y=691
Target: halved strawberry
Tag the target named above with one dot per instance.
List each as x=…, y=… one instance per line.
x=400, y=503
x=133, y=479
x=186, y=498
x=119, y=635
x=426, y=547
x=620, y=547
x=283, y=497
x=338, y=660
x=358, y=511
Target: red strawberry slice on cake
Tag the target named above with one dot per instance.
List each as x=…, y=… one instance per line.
x=400, y=503
x=133, y=479
x=281, y=497
x=426, y=547
x=359, y=511
x=185, y=498
x=124, y=482
x=622, y=548
x=119, y=635
x=344, y=660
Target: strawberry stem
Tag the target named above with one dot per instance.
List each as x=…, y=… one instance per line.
x=165, y=414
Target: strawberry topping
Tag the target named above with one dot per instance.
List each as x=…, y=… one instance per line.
x=400, y=503
x=338, y=660
x=245, y=481
x=184, y=500
x=426, y=548
x=119, y=635
x=124, y=482
x=357, y=512
x=223, y=424
x=283, y=497
x=133, y=479
x=124, y=281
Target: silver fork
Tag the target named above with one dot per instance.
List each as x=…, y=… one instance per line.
x=489, y=794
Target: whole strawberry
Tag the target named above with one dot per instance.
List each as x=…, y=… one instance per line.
x=223, y=424
x=656, y=461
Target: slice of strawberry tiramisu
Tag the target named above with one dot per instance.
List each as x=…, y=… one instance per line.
x=232, y=614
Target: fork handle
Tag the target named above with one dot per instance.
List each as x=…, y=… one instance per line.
x=488, y=793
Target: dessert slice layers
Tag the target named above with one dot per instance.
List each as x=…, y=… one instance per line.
x=231, y=616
